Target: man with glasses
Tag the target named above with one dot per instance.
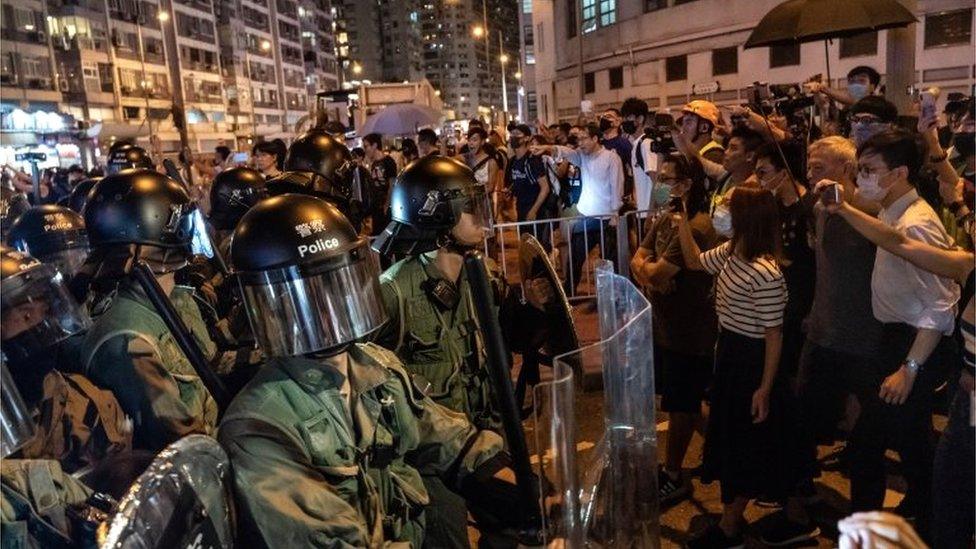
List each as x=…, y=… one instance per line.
x=871, y=116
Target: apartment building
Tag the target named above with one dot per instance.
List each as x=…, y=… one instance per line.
x=659, y=50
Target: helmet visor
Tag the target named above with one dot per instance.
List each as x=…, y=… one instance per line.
x=37, y=312
x=477, y=204
x=295, y=315
x=67, y=262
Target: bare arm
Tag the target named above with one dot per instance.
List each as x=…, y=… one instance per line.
x=543, y=183
x=650, y=272
x=689, y=248
x=954, y=264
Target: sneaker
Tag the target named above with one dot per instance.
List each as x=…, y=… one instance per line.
x=714, y=537
x=670, y=490
x=779, y=531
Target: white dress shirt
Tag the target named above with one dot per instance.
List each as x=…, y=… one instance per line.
x=602, y=180
x=902, y=292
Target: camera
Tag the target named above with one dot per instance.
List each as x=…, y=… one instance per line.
x=31, y=157
x=662, y=142
x=785, y=99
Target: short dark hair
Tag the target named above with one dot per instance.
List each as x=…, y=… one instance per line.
x=878, y=106
x=539, y=139
x=524, y=128
x=565, y=127
x=634, y=107
x=696, y=200
x=872, y=74
x=614, y=110
x=475, y=123
x=75, y=168
x=334, y=127
x=427, y=136
x=897, y=147
x=751, y=139
x=785, y=155
x=276, y=148
x=223, y=151
x=409, y=147
x=373, y=139
x=479, y=131
x=756, y=227
x=358, y=152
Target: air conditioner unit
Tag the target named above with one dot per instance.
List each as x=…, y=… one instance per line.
x=63, y=84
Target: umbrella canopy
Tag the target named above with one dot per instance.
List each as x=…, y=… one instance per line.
x=797, y=21
x=401, y=119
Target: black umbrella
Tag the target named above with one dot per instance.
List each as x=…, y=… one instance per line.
x=797, y=21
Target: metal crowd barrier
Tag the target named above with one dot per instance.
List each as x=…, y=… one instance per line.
x=611, y=237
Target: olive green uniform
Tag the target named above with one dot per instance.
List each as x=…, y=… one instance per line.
x=130, y=351
x=441, y=347
x=322, y=459
x=35, y=496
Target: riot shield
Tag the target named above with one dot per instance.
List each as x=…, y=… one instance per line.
x=617, y=503
x=183, y=500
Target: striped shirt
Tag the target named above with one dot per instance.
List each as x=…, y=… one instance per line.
x=749, y=295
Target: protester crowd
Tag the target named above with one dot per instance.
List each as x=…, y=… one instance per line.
x=808, y=258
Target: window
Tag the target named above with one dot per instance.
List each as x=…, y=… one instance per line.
x=948, y=28
x=784, y=56
x=859, y=45
x=616, y=75
x=679, y=2
x=571, y=21
x=654, y=5
x=598, y=13
x=676, y=68
x=725, y=61
x=589, y=83
x=529, y=43
x=526, y=6
x=538, y=32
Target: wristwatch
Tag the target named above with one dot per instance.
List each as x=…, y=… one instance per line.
x=912, y=365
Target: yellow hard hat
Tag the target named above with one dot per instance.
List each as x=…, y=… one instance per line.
x=706, y=110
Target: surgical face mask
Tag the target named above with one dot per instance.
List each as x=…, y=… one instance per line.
x=514, y=142
x=857, y=90
x=869, y=187
x=862, y=131
x=722, y=220
x=605, y=124
x=964, y=143
x=629, y=127
x=661, y=195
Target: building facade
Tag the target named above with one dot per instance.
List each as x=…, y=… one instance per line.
x=526, y=77
x=658, y=50
x=77, y=75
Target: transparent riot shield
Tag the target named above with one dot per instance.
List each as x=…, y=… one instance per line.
x=605, y=496
x=182, y=500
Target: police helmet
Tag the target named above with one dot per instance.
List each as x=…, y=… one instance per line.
x=232, y=194
x=309, y=280
x=54, y=235
x=79, y=194
x=127, y=157
x=427, y=202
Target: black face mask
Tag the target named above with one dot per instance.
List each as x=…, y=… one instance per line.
x=965, y=143
x=605, y=124
x=629, y=127
x=572, y=141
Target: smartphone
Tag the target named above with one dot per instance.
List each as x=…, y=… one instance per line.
x=927, y=99
x=676, y=205
x=830, y=194
x=240, y=158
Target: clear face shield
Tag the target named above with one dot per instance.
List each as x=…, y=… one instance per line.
x=38, y=312
x=299, y=311
x=473, y=212
x=67, y=262
x=16, y=423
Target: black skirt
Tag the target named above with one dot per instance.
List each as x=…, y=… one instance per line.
x=748, y=459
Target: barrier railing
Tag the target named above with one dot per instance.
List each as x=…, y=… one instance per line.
x=575, y=244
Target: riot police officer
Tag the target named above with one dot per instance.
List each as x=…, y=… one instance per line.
x=79, y=194
x=126, y=157
x=81, y=423
x=319, y=165
x=232, y=194
x=13, y=203
x=142, y=215
x=328, y=441
x=54, y=235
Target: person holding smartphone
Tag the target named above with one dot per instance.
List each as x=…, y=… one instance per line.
x=684, y=319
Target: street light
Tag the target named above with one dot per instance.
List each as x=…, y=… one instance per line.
x=503, y=58
x=357, y=69
x=518, y=76
x=478, y=31
x=265, y=45
x=163, y=16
